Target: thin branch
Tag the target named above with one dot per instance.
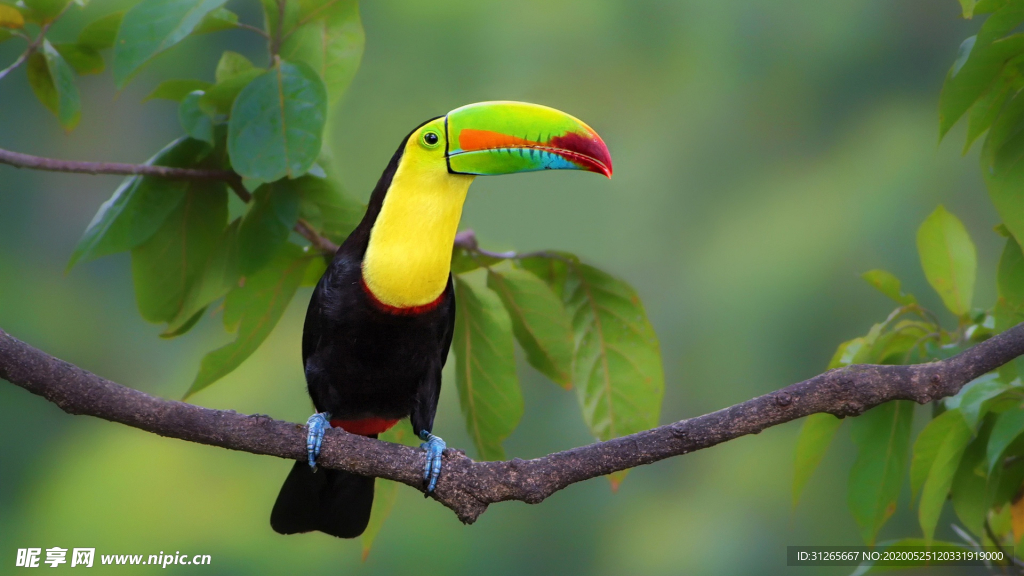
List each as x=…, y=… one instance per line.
x=321, y=243
x=252, y=28
x=19, y=160
x=466, y=240
x=33, y=44
x=999, y=545
x=278, y=39
x=239, y=189
x=21, y=60
x=468, y=487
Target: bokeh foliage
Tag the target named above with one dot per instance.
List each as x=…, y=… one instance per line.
x=971, y=452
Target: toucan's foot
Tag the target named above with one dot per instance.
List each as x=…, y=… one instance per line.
x=434, y=447
x=317, y=424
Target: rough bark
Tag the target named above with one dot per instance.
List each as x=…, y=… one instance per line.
x=468, y=487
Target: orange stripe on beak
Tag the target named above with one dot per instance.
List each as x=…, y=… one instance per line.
x=471, y=140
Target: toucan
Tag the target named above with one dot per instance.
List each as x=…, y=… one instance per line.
x=380, y=320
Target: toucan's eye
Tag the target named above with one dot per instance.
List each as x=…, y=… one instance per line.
x=430, y=139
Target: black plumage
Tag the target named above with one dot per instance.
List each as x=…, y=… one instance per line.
x=362, y=360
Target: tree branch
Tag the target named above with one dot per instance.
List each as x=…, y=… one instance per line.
x=19, y=160
x=33, y=45
x=468, y=487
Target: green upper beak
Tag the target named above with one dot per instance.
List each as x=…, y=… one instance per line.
x=490, y=138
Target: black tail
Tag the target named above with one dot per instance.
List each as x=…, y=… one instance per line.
x=331, y=501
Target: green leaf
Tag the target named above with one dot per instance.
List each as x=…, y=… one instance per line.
x=1007, y=481
x=230, y=65
x=195, y=122
x=882, y=436
x=254, y=309
x=177, y=90
x=1009, y=425
x=83, y=60
x=846, y=352
x=941, y=469
x=553, y=271
x=967, y=6
x=1010, y=275
x=1004, y=188
x=46, y=10
x=888, y=284
x=220, y=97
x=5, y=35
x=973, y=399
x=219, y=275
x=139, y=206
x=101, y=33
x=267, y=224
x=897, y=345
x=485, y=368
x=177, y=329
x=165, y=266
x=328, y=207
x=271, y=10
x=1002, y=163
x=1009, y=309
x=465, y=261
x=949, y=259
x=184, y=327
x=815, y=436
x=971, y=491
x=927, y=446
x=989, y=6
x=979, y=63
x=1002, y=145
x=539, y=321
x=53, y=83
x=277, y=123
x=219, y=19
x=617, y=367
x=329, y=37
x=152, y=26
x=987, y=108
x=11, y=18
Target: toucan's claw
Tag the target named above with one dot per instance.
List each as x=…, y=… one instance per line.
x=317, y=424
x=434, y=446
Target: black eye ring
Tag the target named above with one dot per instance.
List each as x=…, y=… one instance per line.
x=431, y=139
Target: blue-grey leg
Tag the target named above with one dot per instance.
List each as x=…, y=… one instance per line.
x=434, y=447
x=317, y=424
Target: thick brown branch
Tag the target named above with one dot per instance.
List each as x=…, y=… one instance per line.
x=468, y=487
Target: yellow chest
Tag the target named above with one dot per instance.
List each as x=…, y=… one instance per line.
x=408, y=259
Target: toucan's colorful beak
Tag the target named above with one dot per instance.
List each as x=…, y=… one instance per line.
x=492, y=138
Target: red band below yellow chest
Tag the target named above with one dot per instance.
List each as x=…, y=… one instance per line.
x=398, y=311
x=366, y=426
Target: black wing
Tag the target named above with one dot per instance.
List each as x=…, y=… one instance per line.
x=425, y=406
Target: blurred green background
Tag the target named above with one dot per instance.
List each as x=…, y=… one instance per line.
x=766, y=153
